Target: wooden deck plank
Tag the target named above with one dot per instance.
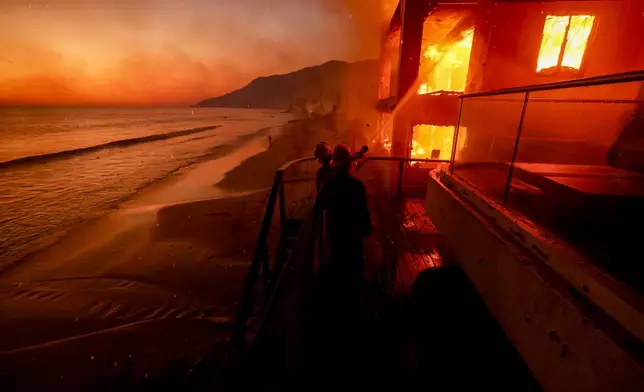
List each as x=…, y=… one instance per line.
x=400, y=278
x=406, y=236
x=403, y=269
x=429, y=263
x=436, y=258
x=412, y=267
x=420, y=264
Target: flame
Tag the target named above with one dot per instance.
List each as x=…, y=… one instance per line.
x=564, y=41
x=387, y=144
x=432, y=142
x=424, y=89
x=580, y=27
x=386, y=127
x=451, y=65
x=433, y=53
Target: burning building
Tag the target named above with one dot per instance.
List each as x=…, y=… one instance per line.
x=552, y=171
x=453, y=47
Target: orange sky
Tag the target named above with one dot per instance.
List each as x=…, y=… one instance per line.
x=170, y=52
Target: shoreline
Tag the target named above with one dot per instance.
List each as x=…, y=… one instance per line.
x=178, y=259
x=215, y=153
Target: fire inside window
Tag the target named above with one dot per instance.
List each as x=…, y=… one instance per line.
x=564, y=42
x=451, y=64
x=432, y=142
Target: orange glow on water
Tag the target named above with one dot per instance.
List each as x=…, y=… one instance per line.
x=446, y=68
x=564, y=41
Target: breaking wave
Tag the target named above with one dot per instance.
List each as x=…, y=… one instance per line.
x=113, y=144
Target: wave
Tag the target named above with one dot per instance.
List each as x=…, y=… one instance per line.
x=114, y=144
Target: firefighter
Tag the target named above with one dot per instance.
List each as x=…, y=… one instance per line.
x=348, y=220
x=323, y=153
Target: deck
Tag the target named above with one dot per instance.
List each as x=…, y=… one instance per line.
x=420, y=322
x=406, y=244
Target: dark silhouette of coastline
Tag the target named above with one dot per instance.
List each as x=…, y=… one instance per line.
x=315, y=85
x=114, y=144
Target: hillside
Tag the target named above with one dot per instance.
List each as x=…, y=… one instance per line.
x=319, y=86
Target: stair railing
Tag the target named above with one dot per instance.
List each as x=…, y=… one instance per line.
x=293, y=212
x=260, y=263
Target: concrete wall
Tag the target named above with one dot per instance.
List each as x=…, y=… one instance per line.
x=562, y=347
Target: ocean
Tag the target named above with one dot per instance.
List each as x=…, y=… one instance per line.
x=63, y=166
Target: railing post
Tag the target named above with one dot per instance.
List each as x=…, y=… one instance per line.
x=282, y=202
x=259, y=261
x=401, y=168
x=455, y=142
x=516, y=147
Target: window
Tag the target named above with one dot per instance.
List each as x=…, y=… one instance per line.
x=432, y=142
x=564, y=42
x=444, y=68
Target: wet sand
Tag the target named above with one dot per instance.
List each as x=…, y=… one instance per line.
x=152, y=283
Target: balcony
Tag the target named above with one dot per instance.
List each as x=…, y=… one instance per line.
x=552, y=155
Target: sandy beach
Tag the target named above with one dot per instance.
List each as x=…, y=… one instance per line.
x=149, y=286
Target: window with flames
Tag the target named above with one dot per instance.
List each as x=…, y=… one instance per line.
x=445, y=68
x=564, y=43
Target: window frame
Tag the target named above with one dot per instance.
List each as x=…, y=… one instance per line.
x=557, y=70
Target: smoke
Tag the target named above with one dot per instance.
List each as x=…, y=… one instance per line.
x=369, y=19
x=145, y=52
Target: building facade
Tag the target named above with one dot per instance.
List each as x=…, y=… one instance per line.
x=543, y=199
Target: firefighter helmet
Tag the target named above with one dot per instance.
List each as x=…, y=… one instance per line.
x=341, y=155
x=322, y=151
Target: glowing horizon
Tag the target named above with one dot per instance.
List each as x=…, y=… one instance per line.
x=165, y=52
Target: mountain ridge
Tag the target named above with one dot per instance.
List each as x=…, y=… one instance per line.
x=320, y=85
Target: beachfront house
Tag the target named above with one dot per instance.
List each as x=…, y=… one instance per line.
x=514, y=136
x=543, y=198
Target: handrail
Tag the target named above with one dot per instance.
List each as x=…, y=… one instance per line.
x=625, y=77
x=405, y=160
x=294, y=162
x=260, y=260
x=260, y=254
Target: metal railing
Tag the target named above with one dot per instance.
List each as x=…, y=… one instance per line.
x=567, y=156
x=521, y=104
x=297, y=217
x=635, y=76
x=260, y=261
